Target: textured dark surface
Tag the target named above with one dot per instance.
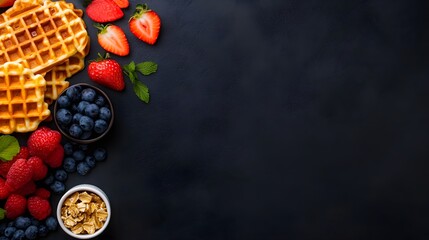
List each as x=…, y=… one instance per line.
x=273, y=120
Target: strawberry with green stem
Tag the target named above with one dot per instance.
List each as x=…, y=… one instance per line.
x=145, y=24
x=112, y=39
x=107, y=72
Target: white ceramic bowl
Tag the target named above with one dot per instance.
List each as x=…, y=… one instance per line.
x=82, y=188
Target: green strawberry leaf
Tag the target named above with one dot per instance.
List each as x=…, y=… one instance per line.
x=9, y=147
x=142, y=91
x=2, y=213
x=147, y=68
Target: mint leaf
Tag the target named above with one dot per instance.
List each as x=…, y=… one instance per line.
x=142, y=91
x=132, y=66
x=147, y=68
x=9, y=147
x=2, y=213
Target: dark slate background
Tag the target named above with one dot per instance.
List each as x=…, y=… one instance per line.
x=272, y=120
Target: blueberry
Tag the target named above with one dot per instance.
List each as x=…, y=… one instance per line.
x=73, y=93
x=57, y=187
x=22, y=222
x=79, y=155
x=35, y=222
x=69, y=164
x=86, y=123
x=49, y=179
x=86, y=135
x=100, y=101
x=82, y=106
x=90, y=160
x=75, y=131
x=61, y=175
x=63, y=101
x=83, y=147
x=4, y=238
x=88, y=94
x=11, y=224
x=73, y=108
x=64, y=116
x=18, y=235
x=92, y=110
x=76, y=118
x=31, y=232
x=68, y=149
x=9, y=231
x=100, y=154
x=51, y=223
x=83, y=168
x=100, y=126
x=3, y=226
x=43, y=230
x=105, y=114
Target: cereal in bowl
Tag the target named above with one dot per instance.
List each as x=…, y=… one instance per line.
x=84, y=212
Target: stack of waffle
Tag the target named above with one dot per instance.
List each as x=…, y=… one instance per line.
x=42, y=43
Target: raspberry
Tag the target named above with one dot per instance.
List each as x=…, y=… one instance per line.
x=23, y=153
x=43, y=141
x=5, y=166
x=39, y=168
x=15, y=206
x=20, y=173
x=55, y=159
x=38, y=207
x=4, y=190
x=43, y=193
x=27, y=189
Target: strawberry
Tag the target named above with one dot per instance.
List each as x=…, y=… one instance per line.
x=15, y=206
x=145, y=24
x=122, y=3
x=20, y=173
x=112, y=39
x=5, y=166
x=55, y=159
x=38, y=207
x=4, y=189
x=6, y=3
x=27, y=189
x=38, y=166
x=103, y=11
x=42, y=193
x=107, y=72
x=43, y=141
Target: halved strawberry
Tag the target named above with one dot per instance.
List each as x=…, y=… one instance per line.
x=103, y=11
x=145, y=24
x=112, y=38
x=122, y=3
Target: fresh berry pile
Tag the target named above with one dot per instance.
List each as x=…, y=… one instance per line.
x=27, y=181
x=27, y=228
x=79, y=158
x=82, y=112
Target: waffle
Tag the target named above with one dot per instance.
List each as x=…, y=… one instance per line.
x=41, y=34
x=22, y=105
x=56, y=78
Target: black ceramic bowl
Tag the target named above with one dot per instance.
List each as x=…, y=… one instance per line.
x=62, y=112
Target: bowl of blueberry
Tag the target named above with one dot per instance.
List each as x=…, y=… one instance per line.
x=83, y=113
